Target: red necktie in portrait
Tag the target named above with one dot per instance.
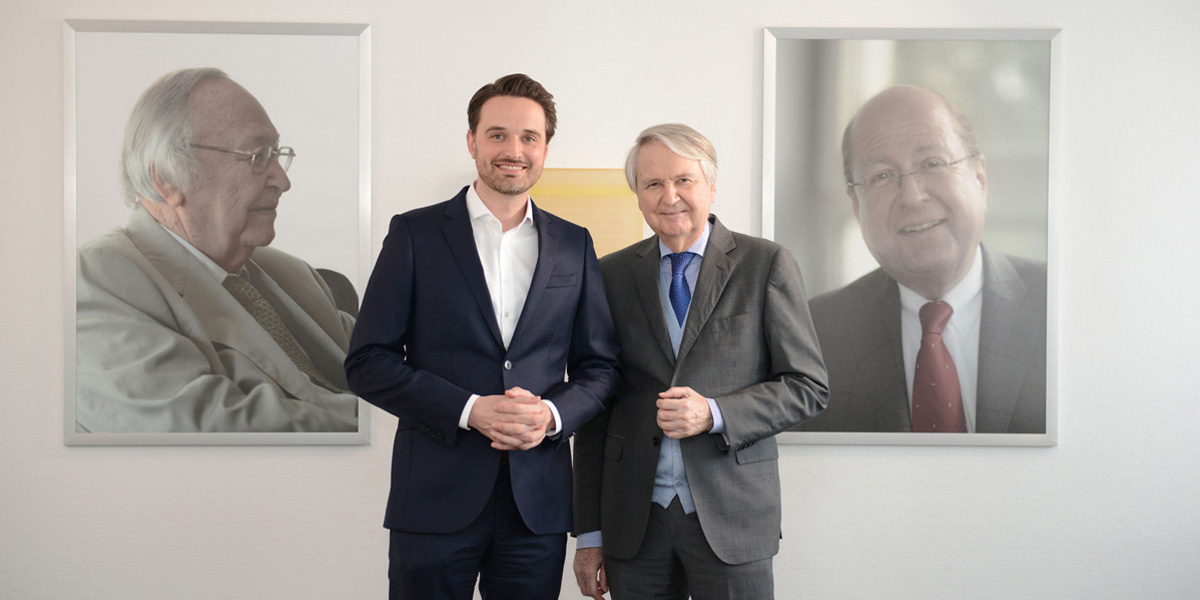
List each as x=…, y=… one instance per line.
x=937, y=398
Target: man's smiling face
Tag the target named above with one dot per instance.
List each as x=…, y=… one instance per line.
x=925, y=230
x=509, y=144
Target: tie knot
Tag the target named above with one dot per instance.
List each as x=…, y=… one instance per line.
x=680, y=261
x=934, y=316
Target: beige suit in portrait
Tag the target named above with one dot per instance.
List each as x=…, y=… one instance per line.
x=161, y=346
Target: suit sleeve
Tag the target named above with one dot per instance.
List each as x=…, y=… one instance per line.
x=143, y=364
x=376, y=366
x=592, y=371
x=798, y=387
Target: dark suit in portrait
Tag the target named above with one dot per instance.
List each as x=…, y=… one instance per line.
x=859, y=330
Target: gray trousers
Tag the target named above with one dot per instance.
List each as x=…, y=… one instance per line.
x=675, y=560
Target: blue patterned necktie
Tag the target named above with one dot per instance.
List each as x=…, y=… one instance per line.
x=680, y=295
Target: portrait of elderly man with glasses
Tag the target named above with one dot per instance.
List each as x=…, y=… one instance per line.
x=946, y=336
x=186, y=320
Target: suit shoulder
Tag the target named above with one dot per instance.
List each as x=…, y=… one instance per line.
x=114, y=241
x=423, y=214
x=623, y=257
x=852, y=299
x=1028, y=269
x=562, y=224
x=742, y=240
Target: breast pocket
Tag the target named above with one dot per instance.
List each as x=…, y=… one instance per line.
x=562, y=280
x=729, y=323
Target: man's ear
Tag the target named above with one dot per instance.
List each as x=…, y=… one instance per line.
x=981, y=174
x=169, y=191
x=471, y=142
x=853, y=200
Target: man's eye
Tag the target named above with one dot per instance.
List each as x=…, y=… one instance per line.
x=497, y=136
x=880, y=177
x=933, y=163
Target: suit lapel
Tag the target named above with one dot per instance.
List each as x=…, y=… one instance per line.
x=461, y=240
x=884, y=375
x=646, y=274
x=1006, y=334
x=715, y=271
x=547, y=251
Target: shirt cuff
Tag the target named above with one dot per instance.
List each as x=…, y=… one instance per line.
x=718, y=420
x=557, y=419
x=591, y=539
x=466, y=413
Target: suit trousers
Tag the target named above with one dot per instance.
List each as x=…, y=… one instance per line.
x=511, y=562
x=675, y=560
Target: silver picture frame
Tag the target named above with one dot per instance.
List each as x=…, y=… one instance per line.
x=815, y=79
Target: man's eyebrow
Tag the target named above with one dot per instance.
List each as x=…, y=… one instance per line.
x=928, y=147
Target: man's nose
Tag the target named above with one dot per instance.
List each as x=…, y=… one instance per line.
x=277, y=177
x=912, y=187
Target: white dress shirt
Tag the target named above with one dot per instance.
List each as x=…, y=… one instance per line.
x=509, y=259
x=961, y=334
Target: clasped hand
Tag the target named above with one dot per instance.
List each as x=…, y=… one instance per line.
x=682, y=413
x=517, y=420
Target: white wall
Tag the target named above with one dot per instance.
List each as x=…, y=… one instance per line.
x=1111, y=512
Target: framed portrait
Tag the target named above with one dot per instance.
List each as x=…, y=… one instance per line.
x=884, y=217
x=144, y=363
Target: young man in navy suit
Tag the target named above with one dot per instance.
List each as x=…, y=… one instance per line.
x=485, y=330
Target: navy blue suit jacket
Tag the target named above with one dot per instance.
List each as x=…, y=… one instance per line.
x=427, y=338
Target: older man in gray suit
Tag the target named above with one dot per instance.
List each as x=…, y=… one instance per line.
x=677, y=484
x=946, y=336
x=186, y=322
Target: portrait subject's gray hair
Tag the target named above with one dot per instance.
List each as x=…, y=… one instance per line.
x=681, y=140
x=158, y=135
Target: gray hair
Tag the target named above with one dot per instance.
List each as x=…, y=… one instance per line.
x=158, y=135
x=681, y=140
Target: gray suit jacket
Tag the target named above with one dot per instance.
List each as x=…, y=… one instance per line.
x=859, y=329
x=749, y=344
x=161, y=346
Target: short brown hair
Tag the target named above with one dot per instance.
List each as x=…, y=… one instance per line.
x=519, y=85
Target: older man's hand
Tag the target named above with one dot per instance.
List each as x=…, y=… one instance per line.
x=589, y=573
x=683, y=413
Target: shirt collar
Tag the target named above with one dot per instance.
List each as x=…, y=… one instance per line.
x=958, y=296
x=217, y=271
x=697, y=248
x=476, y=209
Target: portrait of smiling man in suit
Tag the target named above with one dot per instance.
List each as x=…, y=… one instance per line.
x=947, y=335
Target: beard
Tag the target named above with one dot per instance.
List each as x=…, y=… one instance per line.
x=500, y=181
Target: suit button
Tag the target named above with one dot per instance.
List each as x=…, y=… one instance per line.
x=657, y=440
x=508, y=365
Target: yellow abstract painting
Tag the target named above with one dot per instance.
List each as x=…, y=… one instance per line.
x=598, y=199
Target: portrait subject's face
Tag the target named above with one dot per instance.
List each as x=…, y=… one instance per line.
x=924, y=226
x=509, y=144
x=231, y=210
x=673, y=195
